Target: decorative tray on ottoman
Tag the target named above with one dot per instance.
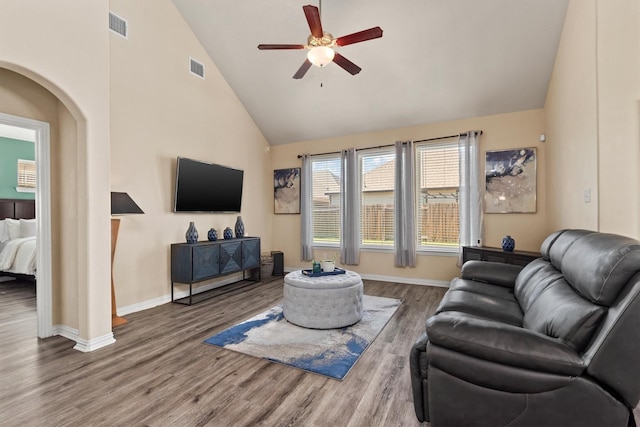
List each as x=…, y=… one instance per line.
x=309, y=272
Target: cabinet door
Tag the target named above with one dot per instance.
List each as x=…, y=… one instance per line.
x=495, y=257
x=181, y=263
x=250, y=253
x=206, y=261
x=230, y=257
x=522, y=260
x=471, y=254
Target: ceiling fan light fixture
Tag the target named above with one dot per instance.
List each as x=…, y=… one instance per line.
x=320, y=55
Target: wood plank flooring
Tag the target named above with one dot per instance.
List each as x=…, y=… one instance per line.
x=159, y=373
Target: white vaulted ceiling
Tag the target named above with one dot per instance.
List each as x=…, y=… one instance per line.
x=438, y=60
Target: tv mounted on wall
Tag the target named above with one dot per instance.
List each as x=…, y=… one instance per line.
x=207, y=187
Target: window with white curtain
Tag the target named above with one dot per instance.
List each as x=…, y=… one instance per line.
x=437, y=188
x=437, y=197
x=325, y=210
x=377, y=170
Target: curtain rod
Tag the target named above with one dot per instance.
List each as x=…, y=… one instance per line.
x=477, y=132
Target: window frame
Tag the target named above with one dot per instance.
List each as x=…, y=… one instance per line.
x=452, y=249
x=325, y=244
x=381, y=151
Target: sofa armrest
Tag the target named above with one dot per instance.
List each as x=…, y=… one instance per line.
x=503, y=343
x=496, y=273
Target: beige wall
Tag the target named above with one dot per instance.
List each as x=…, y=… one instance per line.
x=160, y=111
x=592, y=119
x=504, y=131
x=63, y=46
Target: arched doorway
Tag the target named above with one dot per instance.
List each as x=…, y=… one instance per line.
x=43, y=217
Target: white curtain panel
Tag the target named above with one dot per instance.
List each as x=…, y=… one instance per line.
x=405, y=205
x=350, y=212
x=306, y=202
x=471, y=221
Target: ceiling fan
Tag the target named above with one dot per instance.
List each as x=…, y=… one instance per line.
x=321, y=44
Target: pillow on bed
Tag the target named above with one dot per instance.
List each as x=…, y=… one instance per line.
x=28, y=228
x=13, y=225
x=4, y=231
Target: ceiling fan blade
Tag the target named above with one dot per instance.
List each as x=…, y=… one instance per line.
x=313, y=19
x=280, y=46
x=360, y=36
x=302, y=70
x=346, y=64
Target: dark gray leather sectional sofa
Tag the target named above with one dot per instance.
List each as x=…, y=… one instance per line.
x=556, y=343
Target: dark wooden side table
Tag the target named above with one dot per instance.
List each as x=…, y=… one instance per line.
x=484, y=253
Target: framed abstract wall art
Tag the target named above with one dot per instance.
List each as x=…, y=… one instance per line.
x=510, y=181
x=286, y=191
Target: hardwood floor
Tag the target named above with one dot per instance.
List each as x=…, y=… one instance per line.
x=159, y=373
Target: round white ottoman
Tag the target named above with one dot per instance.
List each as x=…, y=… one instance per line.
x=324, y=302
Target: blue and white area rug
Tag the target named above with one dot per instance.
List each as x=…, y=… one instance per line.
x=330, y=352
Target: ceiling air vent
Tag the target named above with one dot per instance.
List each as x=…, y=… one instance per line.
x=196, y=67
x=117, y=25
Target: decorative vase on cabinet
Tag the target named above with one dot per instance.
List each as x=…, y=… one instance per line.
x=239, y=227
x=227, y=234
x=192, y=233
x=212, y=235
x=508, y=244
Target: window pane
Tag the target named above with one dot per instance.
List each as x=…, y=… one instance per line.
x=438, y=182
x=325, y=215
x=377, y=170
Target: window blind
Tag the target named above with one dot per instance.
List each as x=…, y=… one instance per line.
x=26, y=173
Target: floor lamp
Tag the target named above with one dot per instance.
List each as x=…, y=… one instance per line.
x=121, y=204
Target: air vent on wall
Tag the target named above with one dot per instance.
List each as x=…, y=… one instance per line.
x=196, y=67
x=117, y=25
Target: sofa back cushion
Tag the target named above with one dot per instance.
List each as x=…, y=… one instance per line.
x=561, y=244
x=548, y=242
x=598, y=265
x=559, y=312
x=532, y=280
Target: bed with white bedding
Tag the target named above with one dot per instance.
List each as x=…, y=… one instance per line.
x=18, y=256
x=18, y=247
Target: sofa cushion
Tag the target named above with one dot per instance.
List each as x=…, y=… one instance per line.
x=496, y=273
x=560, y=312
x=562, y=243
x=486, y=306
x=481, y=288
x=548, y=242
x=534, y=278
x=507, y=344
x=599, y=265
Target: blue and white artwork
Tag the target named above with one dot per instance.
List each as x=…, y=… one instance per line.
x=286, y=191
x=510, y=177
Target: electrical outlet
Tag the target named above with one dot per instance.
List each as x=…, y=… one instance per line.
x=587, y=195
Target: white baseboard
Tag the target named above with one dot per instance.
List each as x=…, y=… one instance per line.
x=154, y=302
x=86, y=346
x=83, y=345
x=406, y=280
x=66, y=331
x=144, y=305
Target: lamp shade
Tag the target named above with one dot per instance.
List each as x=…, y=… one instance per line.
x=320, y=55
x=122, y=203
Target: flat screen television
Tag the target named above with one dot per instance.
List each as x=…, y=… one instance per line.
x=207, y=187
